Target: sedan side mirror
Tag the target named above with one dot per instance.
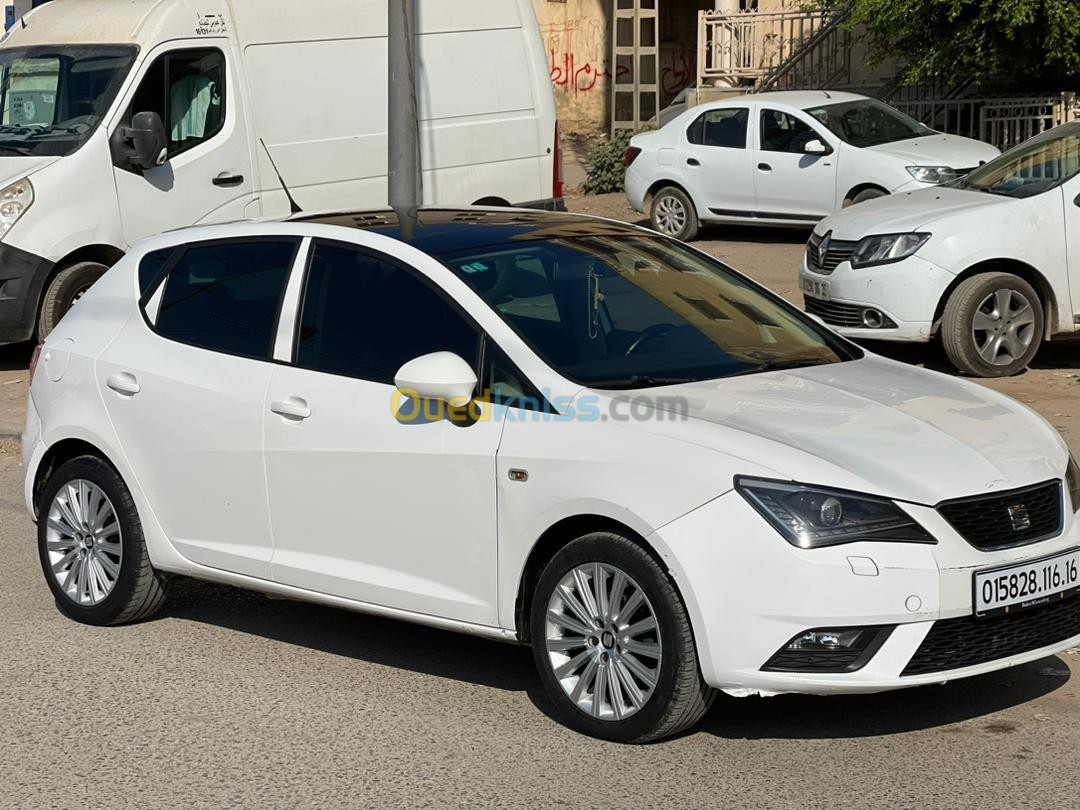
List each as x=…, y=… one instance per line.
x=441, y=376
x=149, y=143
x=815, y=147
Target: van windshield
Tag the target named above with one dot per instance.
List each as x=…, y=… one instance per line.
x=53, y=98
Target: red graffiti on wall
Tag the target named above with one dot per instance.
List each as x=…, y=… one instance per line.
x=678, y=71
x=576, y=76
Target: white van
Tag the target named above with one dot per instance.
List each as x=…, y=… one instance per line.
x=120, y=119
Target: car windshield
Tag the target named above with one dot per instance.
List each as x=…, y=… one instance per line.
x=53, y=98
x=625, y=311
x=1037, y=165
x=867, y=122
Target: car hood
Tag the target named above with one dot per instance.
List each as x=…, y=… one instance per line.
x=939, y=150
x=873, y=425
x=909, y=211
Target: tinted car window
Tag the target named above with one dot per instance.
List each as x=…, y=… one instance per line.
x=151, y=266
x=364, y=316
x=781, y=132
x=226, y=296
x=726, y=128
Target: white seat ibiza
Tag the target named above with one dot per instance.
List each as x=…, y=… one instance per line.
x=552, y=430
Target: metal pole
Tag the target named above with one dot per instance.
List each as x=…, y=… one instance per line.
x=403, y=132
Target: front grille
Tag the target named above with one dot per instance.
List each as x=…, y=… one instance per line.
x=966, y=642
x=836, y=314
x=836, y=251
x=1006, y=519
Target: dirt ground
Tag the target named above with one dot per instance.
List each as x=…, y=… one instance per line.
x=768, y=255
x=772, y=256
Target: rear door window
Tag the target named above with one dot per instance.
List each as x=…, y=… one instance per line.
x=724, y=128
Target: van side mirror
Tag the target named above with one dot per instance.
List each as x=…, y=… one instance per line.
x=815, y=147
x=149, y=143
x=442, y=376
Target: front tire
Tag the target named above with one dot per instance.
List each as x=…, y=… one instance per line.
x=91, y=546
x=613, y=644
x=993, y=325
x=62, y=293
x=673, y=214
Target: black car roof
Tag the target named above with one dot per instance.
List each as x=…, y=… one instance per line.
x=439, y=231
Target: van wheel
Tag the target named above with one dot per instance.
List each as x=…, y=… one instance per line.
x=91, y=547
x=864, y=195
x=673, y=214
x=613, y=645
x=63, y=291
x=993, y=325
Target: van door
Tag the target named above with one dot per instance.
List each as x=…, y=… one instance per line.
x=193, y=87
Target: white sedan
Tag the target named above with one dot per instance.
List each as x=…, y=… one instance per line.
x=785, y=158
x=546, y=429
x=989, y=263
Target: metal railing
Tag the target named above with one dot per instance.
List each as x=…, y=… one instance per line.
x=1003, y=122
x=751, y=45
x=823, y=61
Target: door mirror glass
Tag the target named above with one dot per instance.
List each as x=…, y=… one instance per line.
x=149, y=143
x=441, y=376
x=815, y=147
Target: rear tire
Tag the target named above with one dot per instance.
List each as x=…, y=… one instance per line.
x=63, y=291
x=993, y=325
x=673, y=214
x=633, y=677
x=91, y=547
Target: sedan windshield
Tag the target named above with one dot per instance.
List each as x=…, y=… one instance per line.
x=53, y=98
x=868, y=123
x=625, y=311
x=1037, y=165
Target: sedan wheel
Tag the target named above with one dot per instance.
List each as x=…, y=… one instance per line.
x=673, y=214
x=993, y=325
x=612, y=642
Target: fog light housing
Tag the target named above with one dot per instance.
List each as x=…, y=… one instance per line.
x=829, y=649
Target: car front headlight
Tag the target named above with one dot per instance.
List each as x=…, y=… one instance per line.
x=814, y=517
x=932, y=174
x=886, y=248
x=1072, y=481
x=14, y=200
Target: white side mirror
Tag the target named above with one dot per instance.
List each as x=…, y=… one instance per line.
x=815, y=147
x=441, y=376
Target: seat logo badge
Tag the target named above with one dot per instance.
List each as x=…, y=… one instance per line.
x=1019, y=517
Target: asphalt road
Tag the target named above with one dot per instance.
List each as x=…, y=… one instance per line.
x=233, y=699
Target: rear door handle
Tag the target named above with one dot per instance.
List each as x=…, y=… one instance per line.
x=693, y=162
x=765, y=167
x=227, y=180
x=124, y=383
x=291, y=408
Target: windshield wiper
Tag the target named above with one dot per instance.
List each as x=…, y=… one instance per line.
x=772, y=364
x=640, y=381
x=22, y=151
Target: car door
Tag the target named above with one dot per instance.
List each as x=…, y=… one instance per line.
x=790, y=183
x=184, y=384
x=368, y=500
x=207, y=177
x=717, y=163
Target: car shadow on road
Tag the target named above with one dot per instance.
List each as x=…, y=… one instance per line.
x=509, y=667
x=1057, y=355
x=752, y=234
x=16, y=357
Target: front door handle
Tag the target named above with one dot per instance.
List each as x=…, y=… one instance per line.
x=693, y=162
x=292, y=408
x=226, y=180
x=765, y=167
x=124, y=383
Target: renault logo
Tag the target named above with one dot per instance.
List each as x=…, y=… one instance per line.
x=1019, y=517
x=823, y=248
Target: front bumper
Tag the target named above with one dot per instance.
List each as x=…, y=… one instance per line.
x=907, y=292
x=22, y=277
x=749, y=592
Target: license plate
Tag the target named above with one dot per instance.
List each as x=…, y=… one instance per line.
x=816, y=289
x=1027, y=585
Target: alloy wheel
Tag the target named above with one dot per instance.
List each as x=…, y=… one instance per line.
x=83, y=542
x=670, y=216
x=603, y=641
x=1003, y=327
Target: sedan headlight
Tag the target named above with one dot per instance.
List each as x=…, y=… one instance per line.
x=1072, y=481
x=886, y=248
x=813, y=517
x=932, y=174
x=14, y=200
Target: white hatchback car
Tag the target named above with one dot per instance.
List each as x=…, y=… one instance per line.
x=990, y=262
x=545, y=429
x=785, y=158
